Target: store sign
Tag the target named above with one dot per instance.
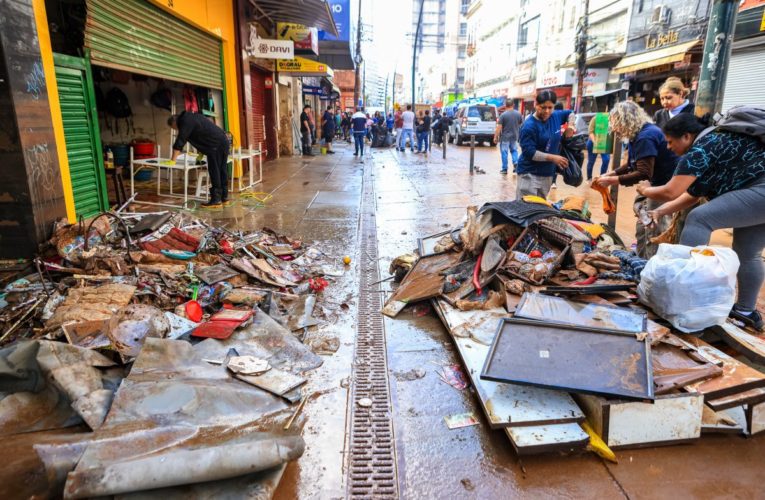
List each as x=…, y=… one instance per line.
x=662, y=40
x=341, y=13
x=594, y=81
x=269, y=49
x=300, y=66
x=306, y=39
x=556, y=79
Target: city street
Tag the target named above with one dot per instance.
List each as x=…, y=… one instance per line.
x=320, y=199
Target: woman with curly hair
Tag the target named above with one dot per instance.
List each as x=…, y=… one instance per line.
x=648, y=159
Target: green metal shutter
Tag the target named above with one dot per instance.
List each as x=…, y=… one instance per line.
x=135, y=36
x=83, y=144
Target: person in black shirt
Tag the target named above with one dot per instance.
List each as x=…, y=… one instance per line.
x=210, y=140
x=305, y=130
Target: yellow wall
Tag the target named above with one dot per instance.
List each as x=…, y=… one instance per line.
x=41, y=19
x=217, y=18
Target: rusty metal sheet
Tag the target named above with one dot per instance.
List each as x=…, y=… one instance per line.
x=750, y=397
x=674, y=369
x=423, y=281
x=746, y=344
x=737, y=377
x=544, y=307
x=583, y=360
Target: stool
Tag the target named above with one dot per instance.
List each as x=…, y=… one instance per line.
x=118, y=185
x=203, y=178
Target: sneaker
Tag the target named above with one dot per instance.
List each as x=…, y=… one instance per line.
x=213, y=203
x=752, y=319
x=330, y=152
x=355, y=154
x=554, y=186
x=227, y=202
x=503, y=172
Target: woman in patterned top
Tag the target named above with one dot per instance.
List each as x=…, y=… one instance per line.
x=728, y=169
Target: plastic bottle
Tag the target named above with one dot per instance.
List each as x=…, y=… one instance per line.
x=109, y=158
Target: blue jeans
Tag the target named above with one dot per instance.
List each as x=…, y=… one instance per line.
x=422, y=141
x=605, y=159
x=406, y=132
x=506, y=147
x=358, y=138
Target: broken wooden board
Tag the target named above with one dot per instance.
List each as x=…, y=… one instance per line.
x=504, y=404
x=560, y=438
x=751, y=397
x=669, y=419
x=731, y=421
x=737, y=377
x=755, y=418
x=423, y=281
x=570, y=358
x=744, y=343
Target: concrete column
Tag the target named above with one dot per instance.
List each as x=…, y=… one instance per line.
x=31, y=194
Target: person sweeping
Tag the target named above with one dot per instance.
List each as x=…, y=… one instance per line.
x=210, y=140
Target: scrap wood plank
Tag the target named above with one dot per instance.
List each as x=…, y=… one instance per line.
x=503, y=404
x=755, y=418
x=567, y=438
x=751, y=397
x=737, y=377
x=422, y=282
x=669, y=419
x=743, y=342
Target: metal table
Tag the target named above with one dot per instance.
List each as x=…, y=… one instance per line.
x=182, y=165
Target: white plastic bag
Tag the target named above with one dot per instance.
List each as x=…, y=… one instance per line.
x=691, y=287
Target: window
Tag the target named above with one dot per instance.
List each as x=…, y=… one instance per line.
x=460, y=76
x=461, y=53
x=572, y=21
x=463, y=29
x=485, y=113
x=465, y=6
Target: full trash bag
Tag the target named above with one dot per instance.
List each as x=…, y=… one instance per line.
x=691, y=287
x=572, y=149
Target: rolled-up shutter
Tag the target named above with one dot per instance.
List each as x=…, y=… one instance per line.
x=744, y=70
x=135, y=36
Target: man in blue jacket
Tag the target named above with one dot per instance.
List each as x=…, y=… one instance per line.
x=540, y=140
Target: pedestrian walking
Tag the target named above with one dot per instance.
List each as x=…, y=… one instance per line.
x=389, y=122
x=210, y=140
x=674, y=100
x=312, y=123
x=728, y=169
x=605, y=158
x=345, y=125
x=423, y=132
x=435, y=127
x=359, y=126
x=305, y=130
x=328, y=129
x=540, y=140
x=407, y=129
x=398, y=124
x=338, y=122
x=506, y=134
x=647, y=159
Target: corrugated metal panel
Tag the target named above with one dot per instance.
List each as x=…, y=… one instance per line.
x=745, y=76
x=80, y=144
x=258, y=80
x=136, y=36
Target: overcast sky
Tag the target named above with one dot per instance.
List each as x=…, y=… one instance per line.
x=390, y=20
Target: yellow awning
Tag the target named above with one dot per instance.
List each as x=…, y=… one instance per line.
x=673, y=54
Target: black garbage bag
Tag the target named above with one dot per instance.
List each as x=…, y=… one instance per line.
x=572, y=148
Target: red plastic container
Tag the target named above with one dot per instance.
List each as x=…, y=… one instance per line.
x=143, y=149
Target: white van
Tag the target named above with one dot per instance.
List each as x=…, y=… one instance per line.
x=479, y=120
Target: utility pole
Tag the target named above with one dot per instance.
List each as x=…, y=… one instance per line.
x=357, y=81
x=581, y=57
x=414, y=52
x=714, y=65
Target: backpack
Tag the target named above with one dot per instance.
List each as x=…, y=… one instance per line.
x=162, y=98
x=117, y=104
x=745, y=120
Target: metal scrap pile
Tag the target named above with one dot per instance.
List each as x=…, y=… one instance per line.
x=542, y=307
x=153, y=351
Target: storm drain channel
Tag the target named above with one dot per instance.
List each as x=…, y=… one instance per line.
x=372, y=463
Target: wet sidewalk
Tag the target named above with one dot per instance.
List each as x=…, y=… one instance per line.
x=320, y=199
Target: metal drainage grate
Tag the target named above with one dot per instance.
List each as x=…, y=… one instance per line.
x=372, y=468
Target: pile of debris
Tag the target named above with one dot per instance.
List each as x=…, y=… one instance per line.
x=150, y=351
x=541, y=304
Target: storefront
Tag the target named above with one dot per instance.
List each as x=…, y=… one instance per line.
x=561, y=82
x=662, y=43
x=524, y=88
x=746, y=62
x=143, y=61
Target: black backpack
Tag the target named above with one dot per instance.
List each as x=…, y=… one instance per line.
x=117, y=104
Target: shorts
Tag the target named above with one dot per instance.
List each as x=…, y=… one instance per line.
x=328, y=135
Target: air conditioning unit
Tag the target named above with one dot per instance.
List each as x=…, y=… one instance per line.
x=661, y=15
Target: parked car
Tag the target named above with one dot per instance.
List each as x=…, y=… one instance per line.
x=479, y=120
